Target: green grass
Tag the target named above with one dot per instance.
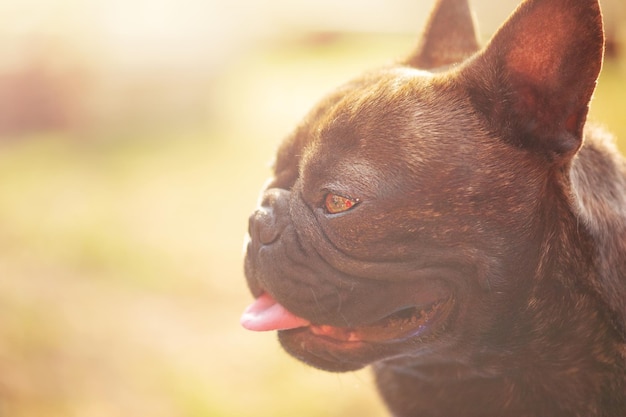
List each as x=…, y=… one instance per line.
x=608, y=105
x=121, y=262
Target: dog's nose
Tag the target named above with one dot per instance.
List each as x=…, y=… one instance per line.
x=262, y=226
x=266, y=223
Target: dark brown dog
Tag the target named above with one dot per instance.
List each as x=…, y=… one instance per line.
x=453, y=222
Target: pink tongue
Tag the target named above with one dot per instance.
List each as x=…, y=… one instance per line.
x=266, y=314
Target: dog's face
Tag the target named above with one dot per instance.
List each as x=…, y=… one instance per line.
x=403, y=216
x=374, y=229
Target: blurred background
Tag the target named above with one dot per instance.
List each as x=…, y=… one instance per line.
x=134, y=138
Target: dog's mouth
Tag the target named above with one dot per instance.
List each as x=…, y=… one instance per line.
x=401, y=325
x=267, y=314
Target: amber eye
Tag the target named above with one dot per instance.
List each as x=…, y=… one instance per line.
x=338, y=204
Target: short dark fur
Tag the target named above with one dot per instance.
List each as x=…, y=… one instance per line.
x=479, y=183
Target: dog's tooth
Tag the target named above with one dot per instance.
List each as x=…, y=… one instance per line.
x=326, y=329
x=321, y=330
x=352, y=337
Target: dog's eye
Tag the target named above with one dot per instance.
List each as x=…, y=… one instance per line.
x=338, y=204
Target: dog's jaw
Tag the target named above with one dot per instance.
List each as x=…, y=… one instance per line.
x=340, y=349
x=334, y=348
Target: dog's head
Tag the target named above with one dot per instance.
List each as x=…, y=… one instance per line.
x=406, y=213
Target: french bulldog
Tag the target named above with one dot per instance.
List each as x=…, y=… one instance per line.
x=454, y=222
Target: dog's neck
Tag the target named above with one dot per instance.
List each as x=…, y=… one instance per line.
x=599, y=180
x=534, y=371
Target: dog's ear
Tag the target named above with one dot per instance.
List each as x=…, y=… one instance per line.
x=449, y=37
x=535, y=78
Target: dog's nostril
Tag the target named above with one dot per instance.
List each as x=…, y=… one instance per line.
x=262, y=226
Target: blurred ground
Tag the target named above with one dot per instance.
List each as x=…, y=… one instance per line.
x=126, y=179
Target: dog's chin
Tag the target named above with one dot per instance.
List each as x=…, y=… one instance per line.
x=343, y=349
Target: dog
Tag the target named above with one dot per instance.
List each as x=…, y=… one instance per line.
x=454, y=222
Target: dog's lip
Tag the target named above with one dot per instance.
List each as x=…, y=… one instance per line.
x=266, y=314
x=404, y=324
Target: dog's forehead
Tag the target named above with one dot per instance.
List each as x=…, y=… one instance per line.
x=377, y=96
x=398, y=109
